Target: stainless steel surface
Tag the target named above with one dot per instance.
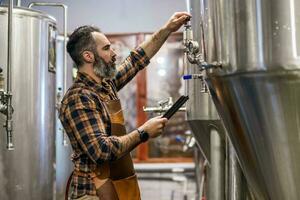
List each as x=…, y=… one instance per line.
x=28, y=171
x=201, y=112
x=202, y=115
x=9, y=45
x=256, y=91
x=198, y=174
x=211, y=27
x=28, y=13
x=236, y=182
x=258, y=35
x=65, y=32
x=201, y=131
x=235, y=176
x=63, y=165
x=216, y=179
x=202, y=183
x=200, y=165
x=261, y=112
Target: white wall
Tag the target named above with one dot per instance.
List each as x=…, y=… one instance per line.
x=116, y=16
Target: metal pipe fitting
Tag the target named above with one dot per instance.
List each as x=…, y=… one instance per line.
x=7, y=98
x=192, y=48
x=187, y=33
x=9, y=123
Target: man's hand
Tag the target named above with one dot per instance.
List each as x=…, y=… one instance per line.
x=177, y=20
x=154, y=126
x=152, y=45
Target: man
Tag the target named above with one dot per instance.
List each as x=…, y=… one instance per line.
x=92, y=116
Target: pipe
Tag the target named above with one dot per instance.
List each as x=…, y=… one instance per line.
x=9, y=109
x=198, y=175
x=217, y=168
x=65, y=31
x=19, y=3
x=9, y=47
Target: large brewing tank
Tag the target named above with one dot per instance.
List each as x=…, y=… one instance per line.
x=202, y=115
x=257, y=90
x=27, y=172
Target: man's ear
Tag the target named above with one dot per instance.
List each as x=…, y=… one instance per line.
x=88, y=56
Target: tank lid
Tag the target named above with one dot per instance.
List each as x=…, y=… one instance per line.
x=29, y=12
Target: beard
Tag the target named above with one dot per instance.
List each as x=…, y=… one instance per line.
x=103, y=69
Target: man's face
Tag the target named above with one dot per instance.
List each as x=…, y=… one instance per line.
x=105, y=57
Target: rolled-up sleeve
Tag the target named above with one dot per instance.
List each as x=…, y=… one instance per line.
x=136, y=61
x=85, y=121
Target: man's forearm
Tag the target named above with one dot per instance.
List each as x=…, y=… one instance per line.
x=152, y=45
x=129, y=142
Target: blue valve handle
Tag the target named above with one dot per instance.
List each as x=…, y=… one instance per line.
x=192, y=76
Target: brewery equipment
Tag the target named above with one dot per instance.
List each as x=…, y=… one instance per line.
x=63, y=164
x=256, y=89
x=28, y=171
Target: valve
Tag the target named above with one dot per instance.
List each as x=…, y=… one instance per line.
x=192, y=48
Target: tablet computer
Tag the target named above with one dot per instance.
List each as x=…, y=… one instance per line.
x=175, y=107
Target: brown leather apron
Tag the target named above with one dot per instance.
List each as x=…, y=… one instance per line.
x=117, y=180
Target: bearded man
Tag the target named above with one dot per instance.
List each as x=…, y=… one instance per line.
x=91, y=113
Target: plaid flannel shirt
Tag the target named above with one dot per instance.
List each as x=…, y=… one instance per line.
x=87, y=123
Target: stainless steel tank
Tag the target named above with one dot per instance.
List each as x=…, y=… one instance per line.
x=63, y=164
x=257, y=90
x=28, y=171
x=202, y=115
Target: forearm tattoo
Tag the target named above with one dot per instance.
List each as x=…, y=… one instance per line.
x=129, y=142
